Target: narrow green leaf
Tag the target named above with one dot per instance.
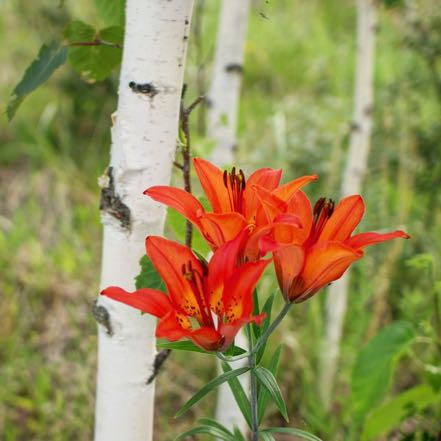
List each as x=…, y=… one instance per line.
x=209, y=387
x=149, y=276
x=238, y=436
x=182, y=346
x=239, y=395
x=266, y=436
x=268, y=381
x=407, y=404
x=293, y=432
x=111, y=12
x=267, y=309
x=213, y=423
x=50, y=57
x=374, y=366
x=219, y=434
x=264, y=395
x=94, y=62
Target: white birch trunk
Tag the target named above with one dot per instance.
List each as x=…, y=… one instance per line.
x=143, y=148
x=223, y=98
x=336, y=300
x=226, y=79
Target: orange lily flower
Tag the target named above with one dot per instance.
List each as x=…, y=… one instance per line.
x=308, y=258
x=235, y=202
x=207, y=304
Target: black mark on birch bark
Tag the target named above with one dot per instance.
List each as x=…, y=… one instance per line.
x=145, y=88
x=234, y=67
x=102, y=316
x=159, y=361
x=112, y=204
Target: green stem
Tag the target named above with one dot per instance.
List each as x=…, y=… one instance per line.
x=263, y=338
x=253, y=388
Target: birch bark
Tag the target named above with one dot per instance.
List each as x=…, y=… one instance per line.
x=336, y=300
x=143, y=147
x=223, y=98
x=226, y=79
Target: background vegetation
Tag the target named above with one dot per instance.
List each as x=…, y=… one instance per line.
x=295, y=114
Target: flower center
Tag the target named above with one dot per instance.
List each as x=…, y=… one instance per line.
x=196, y=282
x=235, y=185
x=323, y=210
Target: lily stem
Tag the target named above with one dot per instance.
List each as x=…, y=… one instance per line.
x=263, y=338
x=253, y=388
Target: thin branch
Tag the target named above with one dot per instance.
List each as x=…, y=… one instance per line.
x=96, y=42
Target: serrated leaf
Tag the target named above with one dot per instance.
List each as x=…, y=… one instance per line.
x=50, y=57
x=208, y=430
x=209, y=387
x=374, y=365
x=149, y=276
x=239, y=394
x=264, y=396
x=182, y=346
x=294, y=432
x=111, y=11
x=267, y=309
x=268, y=381
x=178, y=224
x=94, y=62
x=388, y=416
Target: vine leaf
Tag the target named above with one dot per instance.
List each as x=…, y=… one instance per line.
x=50, y=57
x=149, y=276
x=111, y=11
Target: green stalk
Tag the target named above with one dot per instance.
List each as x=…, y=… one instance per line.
x=253, y=391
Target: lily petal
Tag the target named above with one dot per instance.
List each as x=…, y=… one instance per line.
x=288, y=262
x=207, y=338
x=287, y=190
x=169, y=259
x=264, y=177
x=238, y=289
x=324, y=263
x=181, y=200
x=272, y=205
x=220, y=228
x=365, y=239
x=230, y=330
x=347, y=215
x=173, y=326
x=151, y=301
x=212, y=181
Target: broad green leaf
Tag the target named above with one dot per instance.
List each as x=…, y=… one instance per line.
x=149, y=276
x=268, y=381
x=267, y=308
x=94, y=62
x=111, y=11
x=178, y=224
x=182, y=346
x=264, y=395
x=239, y=395
x=293, y=432
x=50, y=57
x=219, y=434
x=209, y=387
x=388, y=416
x=374, y=365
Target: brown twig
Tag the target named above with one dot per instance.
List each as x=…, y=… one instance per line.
x=186, y=154
x=97, y=42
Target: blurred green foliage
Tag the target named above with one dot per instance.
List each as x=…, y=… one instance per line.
x=295, y=113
